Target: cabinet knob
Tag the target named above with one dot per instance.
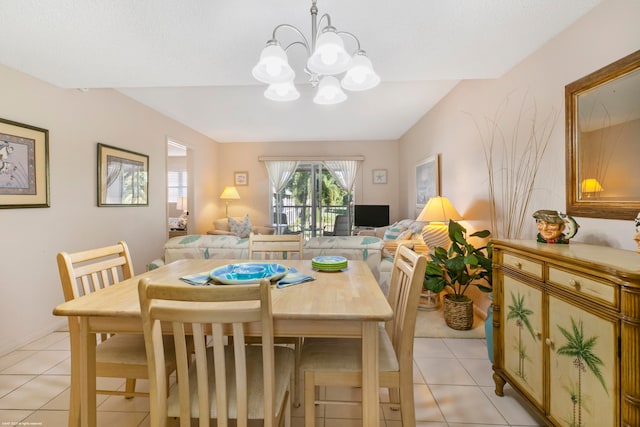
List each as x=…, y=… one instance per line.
x=518, y=264
x=538, y=335
x=575, y=284
x=549, y=342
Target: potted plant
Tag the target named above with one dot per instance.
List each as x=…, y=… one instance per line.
x=456, y=269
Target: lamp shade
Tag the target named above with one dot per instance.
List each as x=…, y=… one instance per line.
x=590, y=185
x=230, y=193
x=360, y=75
x=282, y=92
x=438, y=209
x=329, y=92
x=273, y=66
x=437, y=212
x=329, y=56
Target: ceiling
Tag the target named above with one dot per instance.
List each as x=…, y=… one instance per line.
x=192, y=60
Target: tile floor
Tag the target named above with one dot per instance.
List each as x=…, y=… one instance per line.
x=452, y=380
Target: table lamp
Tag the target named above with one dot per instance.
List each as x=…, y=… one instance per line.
x=438, y=211
x=229, y=193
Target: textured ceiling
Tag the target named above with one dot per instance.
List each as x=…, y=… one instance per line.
x=192, y=60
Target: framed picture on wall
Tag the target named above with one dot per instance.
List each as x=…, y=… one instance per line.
x=123, y=177
x=241, y=178
x=24, y=166
x=379, y=176
x=427, y=181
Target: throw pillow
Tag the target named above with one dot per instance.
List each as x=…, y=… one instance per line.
x=240, y=228
x=393, y=232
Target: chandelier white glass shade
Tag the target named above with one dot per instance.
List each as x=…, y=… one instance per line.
x=329, y=92
x=327, y=57
x=282, y=92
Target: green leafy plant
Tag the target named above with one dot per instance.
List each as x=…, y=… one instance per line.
x=461, y=266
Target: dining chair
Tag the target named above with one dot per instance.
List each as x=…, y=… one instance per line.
x=237, y=381
x=275, y=246
x=338, y=361
x=117, y=356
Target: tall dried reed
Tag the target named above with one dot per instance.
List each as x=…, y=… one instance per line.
x=513, y=151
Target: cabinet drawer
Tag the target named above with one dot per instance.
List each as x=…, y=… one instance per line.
x=526, y=265
x=583, y=285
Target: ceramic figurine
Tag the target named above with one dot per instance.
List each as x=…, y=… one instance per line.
x=554, y=227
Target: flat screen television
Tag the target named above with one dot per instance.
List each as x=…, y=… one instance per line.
x=371, y=215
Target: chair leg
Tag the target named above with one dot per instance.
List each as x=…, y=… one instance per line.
x=309, y=399
x=296, y=373
x=407, y=405
x=130, y=387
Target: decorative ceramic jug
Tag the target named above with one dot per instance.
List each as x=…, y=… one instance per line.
x=554, y=226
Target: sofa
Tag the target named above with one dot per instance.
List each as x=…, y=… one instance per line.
x=221, y=227
x=406, y=232
x=227, y=246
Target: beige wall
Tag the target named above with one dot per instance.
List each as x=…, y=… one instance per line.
x=77, y=121
x=254, y=198
x=609, y=32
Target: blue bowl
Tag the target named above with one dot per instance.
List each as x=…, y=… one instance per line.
x=247, y=272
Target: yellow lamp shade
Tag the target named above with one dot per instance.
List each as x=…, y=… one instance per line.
x=590, y=185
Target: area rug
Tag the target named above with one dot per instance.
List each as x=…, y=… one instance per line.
x=430, y=324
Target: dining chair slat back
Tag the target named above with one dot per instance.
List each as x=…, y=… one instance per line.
x=338, y=362
x=275, y=246
x=117, y=356
x=225, y=381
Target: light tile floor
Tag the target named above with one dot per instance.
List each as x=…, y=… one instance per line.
x=452, y=382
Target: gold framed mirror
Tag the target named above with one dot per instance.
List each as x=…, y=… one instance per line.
x=602, y=115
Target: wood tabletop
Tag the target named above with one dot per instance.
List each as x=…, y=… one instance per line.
x=347, y=295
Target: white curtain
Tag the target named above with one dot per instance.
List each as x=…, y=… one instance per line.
x=344, y=172
x=280, y=172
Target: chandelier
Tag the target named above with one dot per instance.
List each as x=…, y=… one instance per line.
x=327, y=58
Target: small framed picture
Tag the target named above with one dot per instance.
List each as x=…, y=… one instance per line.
x=241, y=178
x=379, y=176
x=123, y=177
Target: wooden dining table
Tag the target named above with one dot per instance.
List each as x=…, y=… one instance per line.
x=346, y=303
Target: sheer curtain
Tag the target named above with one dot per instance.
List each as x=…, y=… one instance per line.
x=344, y=172
x=280, y=173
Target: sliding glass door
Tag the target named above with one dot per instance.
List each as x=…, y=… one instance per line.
x=311, y=201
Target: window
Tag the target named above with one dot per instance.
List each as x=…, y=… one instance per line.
x=176, y=185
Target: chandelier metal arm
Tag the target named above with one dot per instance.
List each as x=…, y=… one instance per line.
x=304, y=41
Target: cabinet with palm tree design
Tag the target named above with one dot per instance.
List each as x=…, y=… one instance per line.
x=567, y=330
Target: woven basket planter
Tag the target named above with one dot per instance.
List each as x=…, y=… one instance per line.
x=458, y=314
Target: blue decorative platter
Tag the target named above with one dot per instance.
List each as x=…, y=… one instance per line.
x=248, y=272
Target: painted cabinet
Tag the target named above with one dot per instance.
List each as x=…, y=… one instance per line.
x=566, y=325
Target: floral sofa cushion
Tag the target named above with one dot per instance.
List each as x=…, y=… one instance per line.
x=221, y=227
